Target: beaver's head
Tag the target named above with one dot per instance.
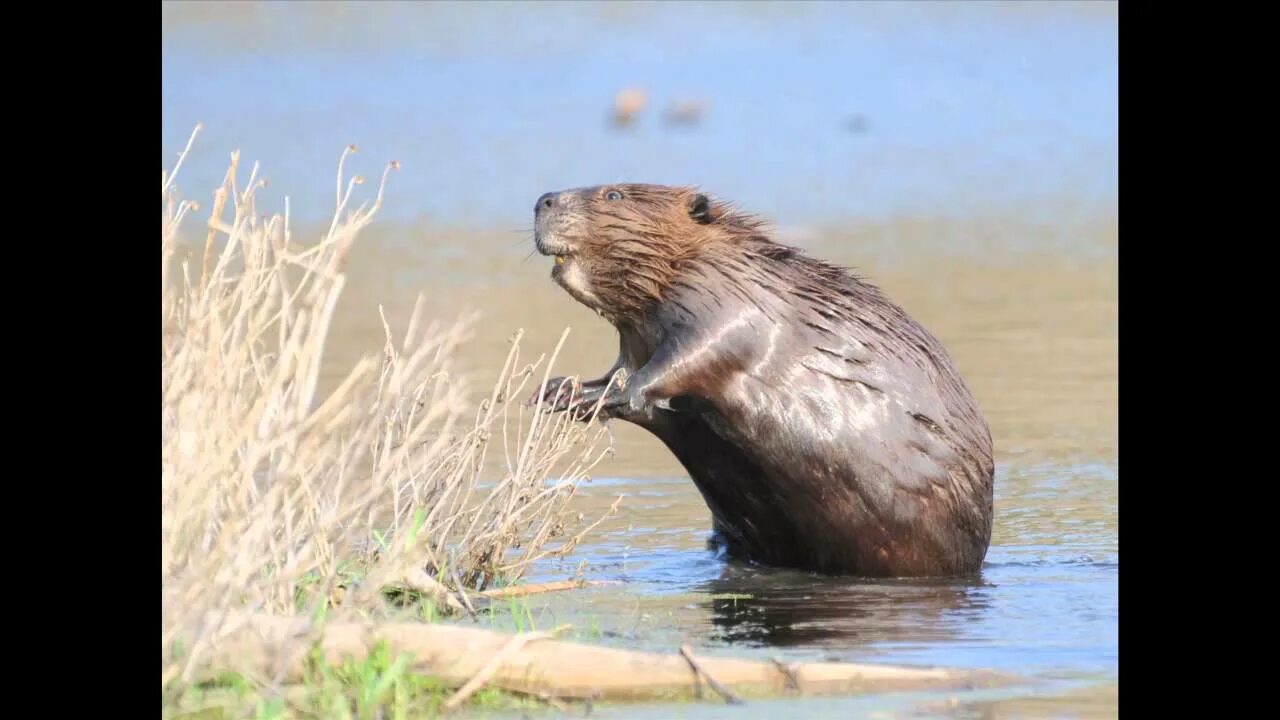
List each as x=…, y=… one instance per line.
x=618, y=248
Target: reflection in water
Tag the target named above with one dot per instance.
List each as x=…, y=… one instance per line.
x=787, y=609
x=1045, y=602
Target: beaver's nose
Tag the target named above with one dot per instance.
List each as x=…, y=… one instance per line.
x=544, y=203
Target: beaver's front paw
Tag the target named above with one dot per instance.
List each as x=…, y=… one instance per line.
x=557, y=394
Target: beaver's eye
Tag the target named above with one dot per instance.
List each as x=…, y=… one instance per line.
x=613, y=195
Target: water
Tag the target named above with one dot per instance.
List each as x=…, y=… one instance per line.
x=489, y=105
x=981, y=194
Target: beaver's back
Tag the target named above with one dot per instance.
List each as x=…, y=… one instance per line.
x=860, y=443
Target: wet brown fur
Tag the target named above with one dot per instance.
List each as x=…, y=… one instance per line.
x=663, y=263
x=639, y=248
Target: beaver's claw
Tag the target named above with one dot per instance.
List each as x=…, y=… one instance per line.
x=557, y=394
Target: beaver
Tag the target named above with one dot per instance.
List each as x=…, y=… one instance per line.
x=825, y=429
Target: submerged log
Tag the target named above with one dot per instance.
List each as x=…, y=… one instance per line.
x=541, y=666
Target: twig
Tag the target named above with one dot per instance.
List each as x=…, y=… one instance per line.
x=553, y=701
x=181, y=157
x=215, y=220
x=687, y=653
x=788, y=670
x=457, y=582
x=512, y=647
x=536, y=588
x=417, y=579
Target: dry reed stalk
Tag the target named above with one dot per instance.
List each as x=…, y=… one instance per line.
x=271, y=496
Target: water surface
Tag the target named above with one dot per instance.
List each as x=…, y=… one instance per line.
x=958, y=106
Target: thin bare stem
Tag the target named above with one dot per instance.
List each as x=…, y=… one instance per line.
x=182, y=156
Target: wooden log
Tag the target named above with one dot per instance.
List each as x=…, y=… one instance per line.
x=553, y=668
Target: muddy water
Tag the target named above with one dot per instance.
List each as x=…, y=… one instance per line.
x=1034, y=331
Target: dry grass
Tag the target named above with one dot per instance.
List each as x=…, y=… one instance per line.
x=273, y=497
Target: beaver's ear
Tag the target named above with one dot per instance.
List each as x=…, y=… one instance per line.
x=701, y=210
